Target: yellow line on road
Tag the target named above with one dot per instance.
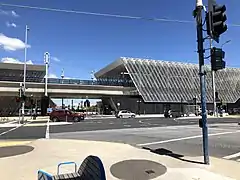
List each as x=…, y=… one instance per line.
x=13, y=143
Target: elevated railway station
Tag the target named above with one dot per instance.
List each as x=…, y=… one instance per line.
x=140, y=85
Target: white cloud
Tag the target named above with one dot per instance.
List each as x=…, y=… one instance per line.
x=14, y=61
x=55, y=59
x=8, y=24
x=9, y=13
x=11, y=44
x=14, y=14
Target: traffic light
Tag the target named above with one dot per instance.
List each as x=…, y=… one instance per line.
x=215, y=21
x=21, y=96
x=18, y=100
x=32, y=101
x=200, y=123
x=217, y=59
x=216, y=96
x=194, y=101
x=87, y=103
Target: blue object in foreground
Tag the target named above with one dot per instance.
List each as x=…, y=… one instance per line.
x=90, y=169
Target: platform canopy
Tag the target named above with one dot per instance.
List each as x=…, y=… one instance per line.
x=173, y=82
x=14, y=72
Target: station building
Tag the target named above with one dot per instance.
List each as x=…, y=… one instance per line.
x=14, y=72
x=163, y=84
x=157, y=85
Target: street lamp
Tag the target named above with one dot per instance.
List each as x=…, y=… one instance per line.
x=46, y=61
x=62, y=76
x=118, y=106
x=92, y=76
x=25, y=70
x=139, y=102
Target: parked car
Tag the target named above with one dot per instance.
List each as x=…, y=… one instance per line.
x=125, y=114
x=66, y=115
x=176, y=114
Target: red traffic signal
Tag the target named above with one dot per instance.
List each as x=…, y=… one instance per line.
x=18, y=99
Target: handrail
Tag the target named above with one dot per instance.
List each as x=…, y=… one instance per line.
x=104, y=82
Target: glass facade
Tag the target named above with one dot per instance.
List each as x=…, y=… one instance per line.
x=17, y=75
x=174, y=82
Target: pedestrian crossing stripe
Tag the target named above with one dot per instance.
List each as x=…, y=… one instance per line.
x=13, y=143
x=50, y=124
x=29, y=124
x=235, y=156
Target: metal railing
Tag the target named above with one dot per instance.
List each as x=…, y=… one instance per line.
x=103, y=82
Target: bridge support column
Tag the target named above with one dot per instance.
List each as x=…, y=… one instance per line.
x=44, y=105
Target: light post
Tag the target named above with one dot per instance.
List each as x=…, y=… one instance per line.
x=118, y=106
x=24, y=70
x=214, y=83
x=139, y=103
x=62, y=76
x=92, y=76
x=46, y=61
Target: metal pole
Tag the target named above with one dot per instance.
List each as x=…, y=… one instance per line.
x=46, y=60
x=24, y=71
x=62, y=76
x=214, y=90
x=200, y=40
x=20, y=95
x=72, y=104
x=210, y=9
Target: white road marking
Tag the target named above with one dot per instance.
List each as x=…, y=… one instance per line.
x=126, y=125
x=186, y=138
x=47, y=130
x=9, y=125
x=232, y=156
x=176, y=120
x=18, y=126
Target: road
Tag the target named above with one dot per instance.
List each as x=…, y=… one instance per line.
x=171, y=136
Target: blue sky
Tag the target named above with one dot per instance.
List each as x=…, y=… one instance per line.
x=83, y=43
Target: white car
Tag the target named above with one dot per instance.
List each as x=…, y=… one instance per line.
x=125, y=114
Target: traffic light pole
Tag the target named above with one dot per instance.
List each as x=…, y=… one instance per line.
x=25, y=71
x=213, y=86
x=200, y=40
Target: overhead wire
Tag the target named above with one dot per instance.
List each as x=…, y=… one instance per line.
x=96, y=14
x=103, y=14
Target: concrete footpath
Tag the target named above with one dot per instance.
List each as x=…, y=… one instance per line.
x=121, y=161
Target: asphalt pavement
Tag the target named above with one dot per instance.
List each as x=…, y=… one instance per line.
x=178, y=136
x=105, y=124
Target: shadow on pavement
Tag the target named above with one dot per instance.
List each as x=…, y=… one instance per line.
x=166, y=152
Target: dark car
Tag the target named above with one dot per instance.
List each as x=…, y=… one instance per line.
x=66, y=115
